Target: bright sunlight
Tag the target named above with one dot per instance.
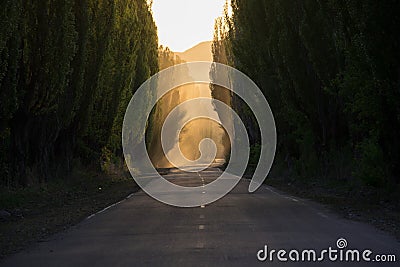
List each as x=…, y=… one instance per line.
x=184, y=23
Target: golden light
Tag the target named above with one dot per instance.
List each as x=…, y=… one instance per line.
x=184, y=23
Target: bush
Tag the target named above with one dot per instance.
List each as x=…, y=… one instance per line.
x=371, y=165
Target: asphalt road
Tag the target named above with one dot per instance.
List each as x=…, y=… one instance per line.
x=140, y=231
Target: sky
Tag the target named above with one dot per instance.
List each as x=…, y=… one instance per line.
x=184, y=23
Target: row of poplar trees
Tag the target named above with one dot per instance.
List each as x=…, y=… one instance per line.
x=330, y=70
x=68, y=69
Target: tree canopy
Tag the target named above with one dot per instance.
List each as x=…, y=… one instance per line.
x=330, y=71
x=67, y=72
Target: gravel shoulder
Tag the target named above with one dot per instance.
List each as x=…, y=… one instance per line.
x=32, y=214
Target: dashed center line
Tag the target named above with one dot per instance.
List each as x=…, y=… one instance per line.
x=204, y=192
x=200, y=245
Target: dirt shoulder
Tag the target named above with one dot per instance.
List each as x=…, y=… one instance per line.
x=32, y=214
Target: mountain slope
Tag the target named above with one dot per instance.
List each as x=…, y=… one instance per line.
x=200, y=52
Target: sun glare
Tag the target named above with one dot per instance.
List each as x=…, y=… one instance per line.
x=184, y=23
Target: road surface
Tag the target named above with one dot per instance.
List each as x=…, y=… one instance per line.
x=140, y=231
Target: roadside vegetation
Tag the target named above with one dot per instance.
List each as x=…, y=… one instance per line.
x=330, y=71
x=67, y=72
x=68, y=69
x=32, y=214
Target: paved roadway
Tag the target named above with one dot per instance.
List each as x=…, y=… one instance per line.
x=140, y=231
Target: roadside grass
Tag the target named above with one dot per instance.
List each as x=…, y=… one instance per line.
x=37, y=212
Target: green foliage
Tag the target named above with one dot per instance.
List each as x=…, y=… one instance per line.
x=166, y=59
x=67, y=71
x=255, y=152
x=371, y=165
x=331, y=80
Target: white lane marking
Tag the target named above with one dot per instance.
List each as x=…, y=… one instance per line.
x=200, y=245
x=90, y=217
x=293, y=199
x=202, y=181
x=322, y=215
x=269, y=189
x=201, y=227
x=109, y=207
x=276, y=193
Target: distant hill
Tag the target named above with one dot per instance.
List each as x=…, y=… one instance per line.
x=200, y=52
